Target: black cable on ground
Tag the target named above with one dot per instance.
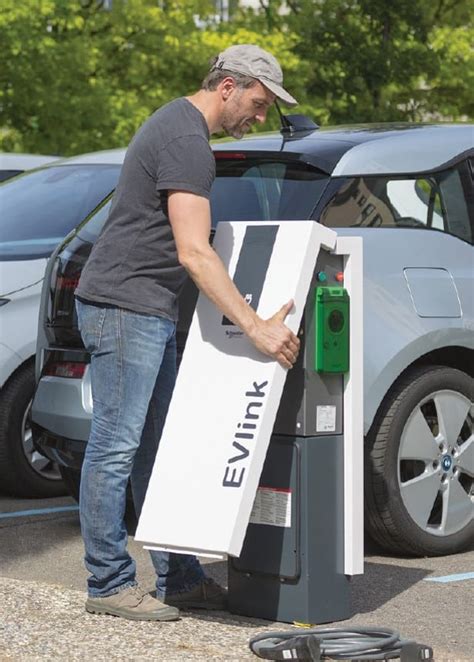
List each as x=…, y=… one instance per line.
x=357, y=643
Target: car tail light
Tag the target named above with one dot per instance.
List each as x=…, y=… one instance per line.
x=67, y=282
x=61, y=319
x=68, y=369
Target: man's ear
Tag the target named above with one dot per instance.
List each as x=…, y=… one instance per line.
x=226, y=87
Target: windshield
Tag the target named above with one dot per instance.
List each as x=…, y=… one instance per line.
x=39, y=208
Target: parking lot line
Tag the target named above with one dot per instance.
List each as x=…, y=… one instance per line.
x=451, y=578
x=39, y=511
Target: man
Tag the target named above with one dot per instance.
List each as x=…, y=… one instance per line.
x=157, y=233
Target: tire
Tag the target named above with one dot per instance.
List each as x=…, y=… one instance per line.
x=72, y=480
x=419, y=465
x=23, y=471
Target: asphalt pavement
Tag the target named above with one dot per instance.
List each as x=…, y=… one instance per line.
x=42, y=597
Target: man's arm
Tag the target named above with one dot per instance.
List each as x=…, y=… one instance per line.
x=190, y=219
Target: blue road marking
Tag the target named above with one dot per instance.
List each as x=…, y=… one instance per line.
x=39, y=511
x=451, y=578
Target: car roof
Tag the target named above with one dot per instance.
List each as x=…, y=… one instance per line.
x=14, y=161
x=365, y=149
x=104, y=157
x=368, y=149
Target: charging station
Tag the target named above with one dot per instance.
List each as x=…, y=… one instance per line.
x=261, y=464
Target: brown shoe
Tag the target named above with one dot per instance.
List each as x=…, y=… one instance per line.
x=206, y=595
x=133, y=604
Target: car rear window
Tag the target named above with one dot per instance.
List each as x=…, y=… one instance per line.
x=38, y=209
x=251, y=188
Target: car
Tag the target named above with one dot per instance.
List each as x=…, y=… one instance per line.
x=39, y=208
x=12, y=164
x=407, y=190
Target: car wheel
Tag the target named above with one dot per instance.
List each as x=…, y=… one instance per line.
x=24, y=472
x=419, y=486
x=72, y=480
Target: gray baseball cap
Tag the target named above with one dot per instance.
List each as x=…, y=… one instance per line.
x=253, y=61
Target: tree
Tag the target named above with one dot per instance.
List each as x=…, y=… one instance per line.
x=373, y=60
x=450, y=91
x=75, y=78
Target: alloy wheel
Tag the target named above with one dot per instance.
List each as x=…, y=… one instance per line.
x=436, y=463
x=38, y=462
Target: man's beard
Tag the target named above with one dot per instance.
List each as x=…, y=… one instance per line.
x=236, y=128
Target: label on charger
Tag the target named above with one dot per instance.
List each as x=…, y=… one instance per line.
x=325, y=418
x=272, y=506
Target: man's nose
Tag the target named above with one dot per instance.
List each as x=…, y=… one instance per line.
x=261, y=116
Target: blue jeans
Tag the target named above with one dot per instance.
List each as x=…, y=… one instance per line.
x=133, y=371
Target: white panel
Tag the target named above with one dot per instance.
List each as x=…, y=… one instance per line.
x=351, y=248
x=205, y=476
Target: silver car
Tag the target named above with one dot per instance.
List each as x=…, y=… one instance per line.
x=407, y=190
x=38, y=209
x=12, y=164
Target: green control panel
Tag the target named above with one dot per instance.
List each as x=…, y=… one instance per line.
x=332, y=329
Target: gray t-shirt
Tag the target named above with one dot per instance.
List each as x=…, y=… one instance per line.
x=134, y=263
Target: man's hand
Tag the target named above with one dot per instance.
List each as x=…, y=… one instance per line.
x=274, y=339
x=190, y=219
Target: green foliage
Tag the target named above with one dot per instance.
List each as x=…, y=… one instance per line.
x=373, y=60
x=75, y=77
x=451, y=90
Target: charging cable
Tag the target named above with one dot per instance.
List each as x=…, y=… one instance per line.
x=358, y=643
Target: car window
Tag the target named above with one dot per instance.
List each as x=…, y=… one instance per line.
x=256, y=188
x=37, y=209
x=90, y=229
x=434, y=201
x=247, y=189
x=6, y=174
x=454, y=205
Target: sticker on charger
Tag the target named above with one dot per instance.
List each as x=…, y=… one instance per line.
x=272, y=506
x=325, y=418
